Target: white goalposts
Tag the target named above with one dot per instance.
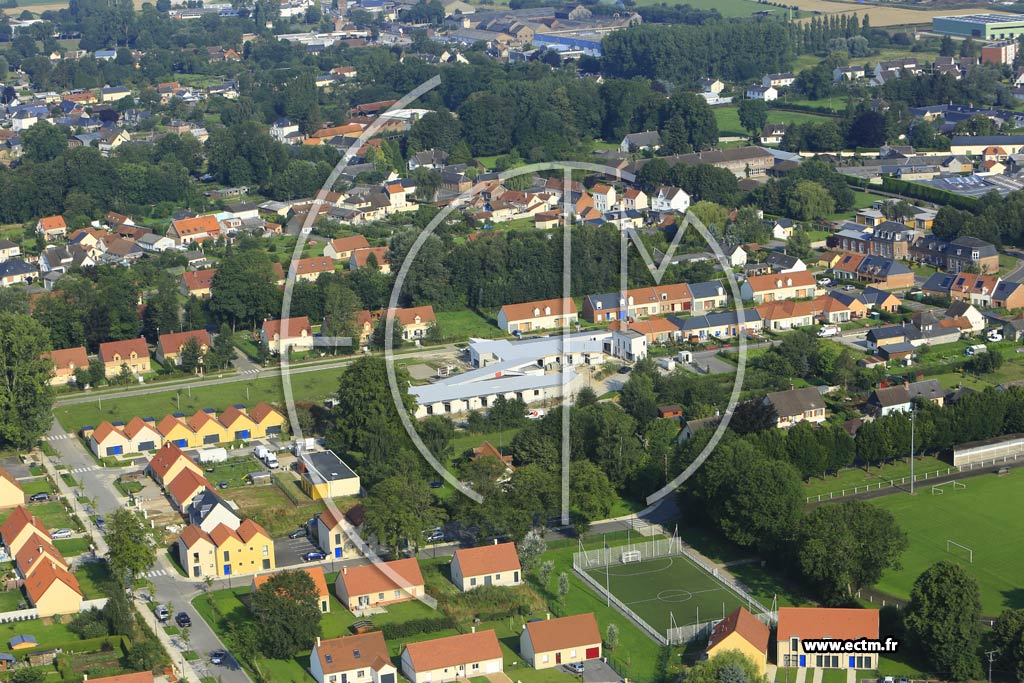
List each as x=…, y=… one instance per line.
x=970, y=552
x=628, y=556
x=938, y=490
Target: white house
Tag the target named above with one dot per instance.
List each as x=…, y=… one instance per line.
x=552, y=642
x=486, y=565
x=737, y=257
x=361, y=658
x=670, y=199
x=464, y=656
x=760, y=92
x=282, y=128
x=778, y=80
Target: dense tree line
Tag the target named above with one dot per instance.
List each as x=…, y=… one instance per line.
x=813, y=190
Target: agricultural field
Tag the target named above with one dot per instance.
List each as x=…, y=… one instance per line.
x=728, y=119
x=984, y=517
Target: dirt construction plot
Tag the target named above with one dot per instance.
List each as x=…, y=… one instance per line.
x=881, y=15
x=17, y=469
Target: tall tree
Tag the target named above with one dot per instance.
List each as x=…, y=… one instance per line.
x=244, y=290
x=398, y=511
x=753, y=116
x=25, y=393
x=287, y=610
x=943, y=620
x=132, y=547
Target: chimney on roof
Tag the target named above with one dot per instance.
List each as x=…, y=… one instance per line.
x=318, y=641
x=344, y=570
x=547, y=615
x=472, y=629
x=495, y=541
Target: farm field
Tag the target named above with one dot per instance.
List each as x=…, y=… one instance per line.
x=984, y=517
x=727, y=8
x=728, y=119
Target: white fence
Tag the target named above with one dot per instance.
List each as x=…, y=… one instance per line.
x=32, y=613
x=653, y=549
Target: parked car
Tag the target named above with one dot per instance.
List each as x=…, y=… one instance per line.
x=39, y=497
x=298, y=533
x=625, y=370
x=61, y=533
x=435, y=537
x=222, y=485
x=849, y=288
x=218, y=656
x=825, y=282
x=314, y=556
x=183, y=620
x=575, y=667
x=436, y=484
x=162, y=613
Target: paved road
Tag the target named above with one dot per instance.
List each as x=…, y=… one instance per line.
x=143, y=389
x=170, y=588
x=1017, y=274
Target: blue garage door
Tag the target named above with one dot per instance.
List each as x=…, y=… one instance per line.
x=147, y=446
x=114, y=450
x=241, y=434
x=337, y=552
x=211, y=438
x=181, y=443
x=274, y=430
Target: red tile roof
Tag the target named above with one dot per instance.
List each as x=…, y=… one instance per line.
x=174, y=342
x=52, y=223
x=249, y=529
x=103, y=430
x=201, y=417
x=535, y=309
x=443, y=653
x=361, y=255
x=140, y=677
x=69, y=359
x=136, y=425
x=37, y=553
x=315, y=264
x=351, y=652
x=824, y=622
x=371, y=578
x=578, y=630
x=45, y=576
x=295, y=327
x=198, y=279
x=350, y=243
x=165, y=458
x=746, y=625
x=186, y=484
x=200, y=225
x=232, y=415
x=193, y=534
x=262, y=410
x=110, y=351
x=17, y=521
x=488, y=559
x=766, y=283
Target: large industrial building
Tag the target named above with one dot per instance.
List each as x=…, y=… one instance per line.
x=983, y=26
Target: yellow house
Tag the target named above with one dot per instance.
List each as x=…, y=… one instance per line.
x=53, y=590
x=238, y=425
x=460, y=657
x=741, y=631
x=197, y=552
x=186, y=486
x=323, y=475
x=133, y=353
x=11, y=493
x=207, y=428
x=249, y=550
x=168, y=463
x=143, y=435
x=799, y=624
x=268, y=420
x=20, y=528
x=553, y=642
x=175, y=432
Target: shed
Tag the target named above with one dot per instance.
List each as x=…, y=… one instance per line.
x=259, y=478
x=22, y=642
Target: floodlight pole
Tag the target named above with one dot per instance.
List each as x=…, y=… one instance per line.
x=912, y=413
x=991, y=654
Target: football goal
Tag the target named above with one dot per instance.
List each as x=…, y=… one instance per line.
x=961, y=547
x=630, y=556
x=939, y=489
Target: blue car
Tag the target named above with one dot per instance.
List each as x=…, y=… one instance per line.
x=313, y=556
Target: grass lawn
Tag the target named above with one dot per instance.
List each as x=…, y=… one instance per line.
x=46, y=634
x=307, y=386
x=861, y=200
x=852, y=478
x=458, y=326
x=69, y=547
x=728, y=118
x=832, y=675
x=727, y=8
x=984, y=517
x=11, y=600
x=232, y=471
x=53, y=515
x=271, y=508
x=36, y=486
x=94, y=579
x=465, y=441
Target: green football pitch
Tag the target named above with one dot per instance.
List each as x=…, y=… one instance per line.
x=663, y=588
x=985, y=516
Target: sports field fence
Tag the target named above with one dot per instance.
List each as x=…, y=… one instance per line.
x=676, y=634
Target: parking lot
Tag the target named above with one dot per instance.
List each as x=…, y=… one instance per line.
x=289, y=551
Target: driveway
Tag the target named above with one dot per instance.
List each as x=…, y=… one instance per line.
x=598, y=671
x=18, y=469
x=289, y=551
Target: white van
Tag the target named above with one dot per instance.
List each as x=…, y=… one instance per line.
x=828, y=331
x=976, y=349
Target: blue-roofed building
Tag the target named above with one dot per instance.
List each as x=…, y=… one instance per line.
x=720, y=325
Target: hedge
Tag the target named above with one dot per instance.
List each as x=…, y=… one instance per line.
x=415, y=627
x=928, y=193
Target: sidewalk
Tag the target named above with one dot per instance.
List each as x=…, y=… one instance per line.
x=100, y=544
